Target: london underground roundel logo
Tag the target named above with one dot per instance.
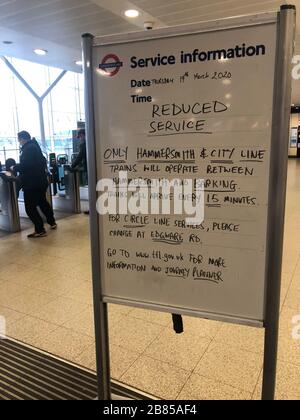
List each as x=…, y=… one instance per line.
x=111, y=65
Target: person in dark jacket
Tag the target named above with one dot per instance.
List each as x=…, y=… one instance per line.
x=81, y=157
x=33, y=176
x=9, y=165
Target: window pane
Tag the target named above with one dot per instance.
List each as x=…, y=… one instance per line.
x=63, y=107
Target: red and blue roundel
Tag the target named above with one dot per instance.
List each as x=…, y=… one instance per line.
x=111, y=65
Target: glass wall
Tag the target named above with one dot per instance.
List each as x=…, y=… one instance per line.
x=63, y=107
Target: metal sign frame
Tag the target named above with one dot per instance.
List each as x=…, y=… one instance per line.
x=286, y=23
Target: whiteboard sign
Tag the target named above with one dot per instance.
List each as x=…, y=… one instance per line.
x=191, y=106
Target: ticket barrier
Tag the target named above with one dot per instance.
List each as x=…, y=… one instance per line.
x=9, y=209
x=65, y=185
x=83, y=176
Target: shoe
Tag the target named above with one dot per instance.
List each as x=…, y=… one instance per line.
x=53, y=227
x=87, y=213
x=37, y=235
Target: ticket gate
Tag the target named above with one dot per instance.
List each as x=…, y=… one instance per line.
x=65, y=185
x=83, y=176
x=72, y=189
x=9, y=209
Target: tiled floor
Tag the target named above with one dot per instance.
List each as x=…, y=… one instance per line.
x=46, y=299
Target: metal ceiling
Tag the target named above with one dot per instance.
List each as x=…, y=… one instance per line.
x=57, y=25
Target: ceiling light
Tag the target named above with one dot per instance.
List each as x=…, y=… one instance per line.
x=79, y=63
x=39, y=51
x=132, y=13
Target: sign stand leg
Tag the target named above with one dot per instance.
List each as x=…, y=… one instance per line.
x=100, y=308
x=277, y=194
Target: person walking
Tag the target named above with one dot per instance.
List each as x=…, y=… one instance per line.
x=33, y=175
x=81, y=159
x=9, y=164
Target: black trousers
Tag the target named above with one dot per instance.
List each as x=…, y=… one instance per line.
x=34, y=199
